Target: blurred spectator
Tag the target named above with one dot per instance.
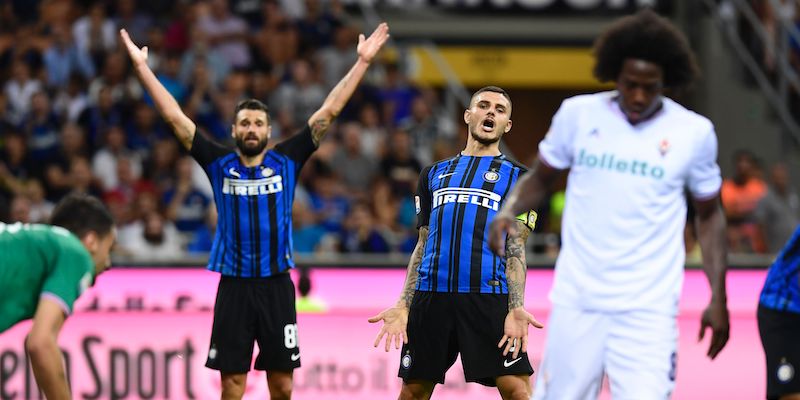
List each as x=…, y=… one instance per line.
x=306, y=303
x=176, y=35
x=276, y=42
x=316, y=27
x=15, y=164
x=129, y=186
x=396, y=95
x=71, y=101
x=400, y=165
x=41, y=128
x=349, y=163
x=128, y=17
x=203, y=238
x=328, y=202
x=19, y=90
x=306, y=233
x=100, y=117
x=186, y=205
x=144, y=130
x=21, y=209
x=72, y=145
x=778, y=212
x=40, y=208
x=360, y=234
x=394, y=216
x=161, y=164
x=155, y=239
x=104, y=163
x=301, y=96
x=123, y=88
x=81, y=179
x=336, y=60
x=423, y=128
x=216, y=65
x=168, y=74
x=373, y=134
x=226, y=32
x=740, y=196
x=94, y=33
x=200, y=103
x=64, y=58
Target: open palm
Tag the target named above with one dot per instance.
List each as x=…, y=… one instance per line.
x=138, y=56
x=367, y=48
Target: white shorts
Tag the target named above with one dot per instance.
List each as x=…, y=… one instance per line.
x=636, y=349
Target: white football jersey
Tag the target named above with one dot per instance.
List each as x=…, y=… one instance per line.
x=622, y=230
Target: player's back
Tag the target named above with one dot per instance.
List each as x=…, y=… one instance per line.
x=782, y=287
x=457, y=199
x=39, y=260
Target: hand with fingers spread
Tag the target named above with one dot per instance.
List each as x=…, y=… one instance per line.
x=367, y=48
x=502, y=226
x=716, y=317
x=138, y=55
x=395, y=320
x=515, y=331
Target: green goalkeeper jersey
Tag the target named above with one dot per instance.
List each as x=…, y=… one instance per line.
x=40, y=261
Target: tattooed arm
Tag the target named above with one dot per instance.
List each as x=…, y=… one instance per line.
x=516, y=267
x=515, y=328
x=395, y=319
x=321, y=120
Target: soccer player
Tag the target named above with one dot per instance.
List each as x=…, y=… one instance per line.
x=631, y=153
x=252, y=249
x=43, y=270
x=458, y=297
x=779, y=322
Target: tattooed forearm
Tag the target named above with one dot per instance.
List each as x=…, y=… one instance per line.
x=318, y=129
x=516, y=267
x=411, y=274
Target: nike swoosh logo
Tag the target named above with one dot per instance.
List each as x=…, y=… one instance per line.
x=234, y=172
x=296, y=356
x=507, y=363
x=446, y=175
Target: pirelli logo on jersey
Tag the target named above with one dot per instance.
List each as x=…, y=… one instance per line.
x=252, y=187
x=478, y=197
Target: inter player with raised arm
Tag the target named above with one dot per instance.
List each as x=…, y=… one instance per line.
x=252, y=249
x=632, y=154
x=43, y=270
x=458, y=297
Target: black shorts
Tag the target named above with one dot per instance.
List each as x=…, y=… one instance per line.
x=442, y=325
x=780, y=336
x=252, y=310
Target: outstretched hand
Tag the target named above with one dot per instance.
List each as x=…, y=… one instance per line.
x=502, y=226
x=369, y=47
x=515, y=331
x=395, y=320
x=138, y=55
x=715, y=316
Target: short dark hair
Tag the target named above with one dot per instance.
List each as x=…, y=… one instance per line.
x=494, y=89
x=649, y=37
x=81, y=214
x=251, y=104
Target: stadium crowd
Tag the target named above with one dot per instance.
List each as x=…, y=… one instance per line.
x=74, y=118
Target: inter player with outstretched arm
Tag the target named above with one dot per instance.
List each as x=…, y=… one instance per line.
x=252, y=249
x=632, y=154
x=458, y=297
x=43, y=270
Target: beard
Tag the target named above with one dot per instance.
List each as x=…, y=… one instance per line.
x=250, y=150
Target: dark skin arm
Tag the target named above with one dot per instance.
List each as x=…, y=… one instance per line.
x=710, y=224
x=527, y=194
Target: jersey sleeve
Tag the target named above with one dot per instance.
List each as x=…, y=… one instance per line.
x=705, y=179
x=422, y=200
x=556, y=148
x=298, y=147
x=205, y=151
x=71, y=275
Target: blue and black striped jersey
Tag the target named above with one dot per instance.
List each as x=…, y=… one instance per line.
x=457, y=198
x=782, y=288
x=254, y=205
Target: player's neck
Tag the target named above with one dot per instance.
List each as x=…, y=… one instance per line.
x=252, y=161
x=475, y=148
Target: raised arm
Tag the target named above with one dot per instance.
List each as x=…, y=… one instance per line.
x=710, y=223
x=395, y=319
x=321, y=120
x=526, y=195
x=167, y=106
x=42, y=347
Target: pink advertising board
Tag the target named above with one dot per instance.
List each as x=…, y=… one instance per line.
x=143, y=333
